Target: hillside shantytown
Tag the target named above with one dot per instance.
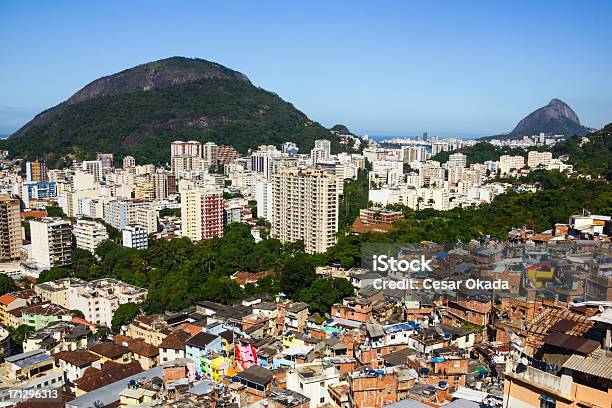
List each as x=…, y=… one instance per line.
x=222, y=279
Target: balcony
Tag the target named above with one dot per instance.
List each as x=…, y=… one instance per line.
x=551, y=383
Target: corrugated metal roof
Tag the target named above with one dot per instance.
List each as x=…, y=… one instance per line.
x=599, y=367
x=573, y=343
x=375, y=330
x=604, y=317
x=563, y=325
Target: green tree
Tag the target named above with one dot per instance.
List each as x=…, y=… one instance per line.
x=124, y=315
x=18, y=334
x=57, y=272
x=297, y=272
x=55, y=211
x=323, y=293
x=7, y=284
x=77, y=313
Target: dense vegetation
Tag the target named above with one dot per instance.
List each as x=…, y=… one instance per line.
x=355, y=197
x=591, y=154
x=179, y=272
x=7, y=284
x=144, y=123
x=124, y=314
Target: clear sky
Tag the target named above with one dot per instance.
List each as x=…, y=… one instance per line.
x=380, y=67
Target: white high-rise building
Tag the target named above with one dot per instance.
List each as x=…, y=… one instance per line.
x=51, y=241
x=89, y=234
x=261, y=160
x=135, y=236
x=185, y=156
x=508, y=163
x=120, y=213
x=305, y=207
x=457, y=159
x=129, y=162
x=414, y=153
x=147, y=217
x=191, y=148
x=318, y=155
x=209, y=154
x=263, y=197
x=536, y=159
x=325, y=145
x=94, y=167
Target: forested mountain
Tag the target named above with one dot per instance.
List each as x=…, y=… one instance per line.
x=141, y=110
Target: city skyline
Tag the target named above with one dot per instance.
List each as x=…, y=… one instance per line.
x=384, y=69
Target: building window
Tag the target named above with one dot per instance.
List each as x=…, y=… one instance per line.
x=322, y=400
x=547, y=402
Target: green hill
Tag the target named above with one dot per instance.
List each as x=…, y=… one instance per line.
x=590, y=154
x=140, y=111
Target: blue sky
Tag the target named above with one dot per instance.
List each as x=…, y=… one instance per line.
x=380, y=67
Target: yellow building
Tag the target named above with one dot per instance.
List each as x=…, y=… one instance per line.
x=289, y=340
x=132, y=397
x=9, y=302
x=217, y=367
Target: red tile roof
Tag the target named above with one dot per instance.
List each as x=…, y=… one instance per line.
x=94, y=378
x=249, y=277
x=175, y=340
x=359, y=227
x=79, y=358
x=137, y=346
x=109, y=350
x=7, y=298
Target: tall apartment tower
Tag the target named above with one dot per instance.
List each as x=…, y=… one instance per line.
x=106, y=159
x=36, y=171
x=164, y=185
x=457, y=159
x=89, y=234
x=10, y=228
x=129, y=162
x=536, y=159
x=94, y=167
x=201, y=214
x=263, y=196
x=209, y=153
x=325, y=145
x=261, y=160
x=135, y=236
x=51, y=241
x=185, y=156
x=305, y=207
